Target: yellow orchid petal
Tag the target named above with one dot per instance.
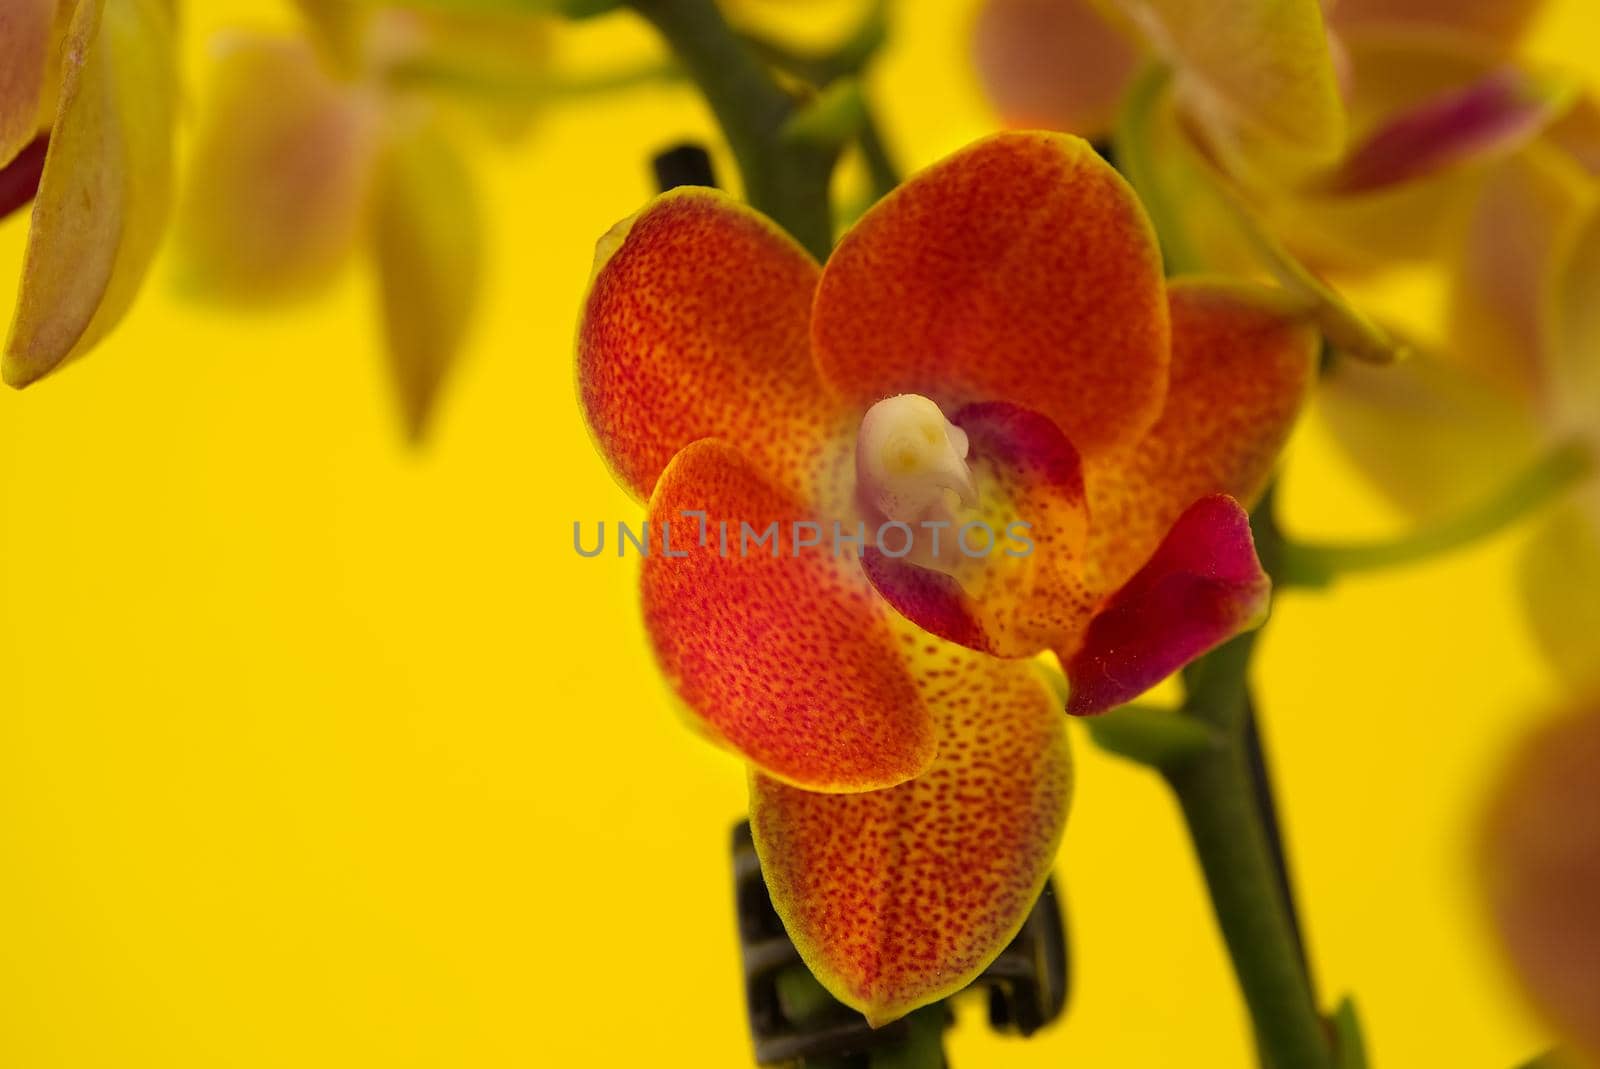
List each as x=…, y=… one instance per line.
x=1258, y=73
x=25, y=27
x=104, y=194
x=1525, y=215
x=1559, y=573
x=1572, y=338
x=281, y=176
x=429, y=259
x=1434, y=438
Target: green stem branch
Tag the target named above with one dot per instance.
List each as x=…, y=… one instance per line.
x=1317, y=565
x=785, y=179
x=1216, y=793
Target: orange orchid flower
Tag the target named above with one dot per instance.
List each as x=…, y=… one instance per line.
x=313, y=146
x=88, y=92
x=992, y=342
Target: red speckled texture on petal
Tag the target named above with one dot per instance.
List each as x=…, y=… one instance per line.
x=789, y=659
x=1027, y=593
x=1020, y=269
x=898, y=898
x=1241, y=370
x=1203, y=586
x=1541, y=848
x=696, y=326
x=1054, y=64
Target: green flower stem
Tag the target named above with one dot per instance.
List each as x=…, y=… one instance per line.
x=784, y=177
x=1217, y=795
x=1317, y=565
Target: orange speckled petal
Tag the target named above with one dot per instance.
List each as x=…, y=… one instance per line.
x=278, y=192
x=25, y=30
x=1251, y=68
x=1203, y=586
x=1577, y=133
x=696, y=326
x=1241, y=369
x=1053, y=64
x=1020, y=269
x=780, y=651
x=1019, y=590
x=898, y=898
x=1500, y=21
x=1541, y=865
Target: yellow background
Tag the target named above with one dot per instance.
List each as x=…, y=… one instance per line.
x=317, y=752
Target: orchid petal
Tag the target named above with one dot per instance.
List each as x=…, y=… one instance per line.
x=1500, y=21
x=282, y=174
x=1433, y=437
x=1559, y=573
x=1488, y=118
x=1202, y=587
x=1572, y=331
x=1522, y=223
x=1053, y=64
x=697, y=325
x=1020, y=269
x=429, y=253
x=104, y=192
x=1251, y=69
x=898, y=898
x=1242, y=365
x=780, y=651
x=25, y=31
x=1541, y=865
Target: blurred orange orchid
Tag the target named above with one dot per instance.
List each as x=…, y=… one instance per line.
x=1541, y=853
x=87, y=96
x=303, y=153
x=992, y=345
x=1350, y=133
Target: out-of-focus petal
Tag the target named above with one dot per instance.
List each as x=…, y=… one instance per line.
x=1577, y=133
x=1431, y=436
x=488, y=62
x=1202, y=587
x=25, y=31
x=428, y=244
x=281, y=177
x=898, y=898
x=1005, y=590
x=1020, y=269
x=1489, y=118
x=1251, y=69
x=1499, y=21
x=697, y=326
x=1541, y=862
x=1242, y=363
x=1521, y=224
x=1053, y=64
x=104, y=194
x=1572, y=332
x=781, y=652
x=1559, y=573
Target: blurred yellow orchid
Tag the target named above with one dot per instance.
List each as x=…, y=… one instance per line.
x=87, y=97
x=311, y=146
